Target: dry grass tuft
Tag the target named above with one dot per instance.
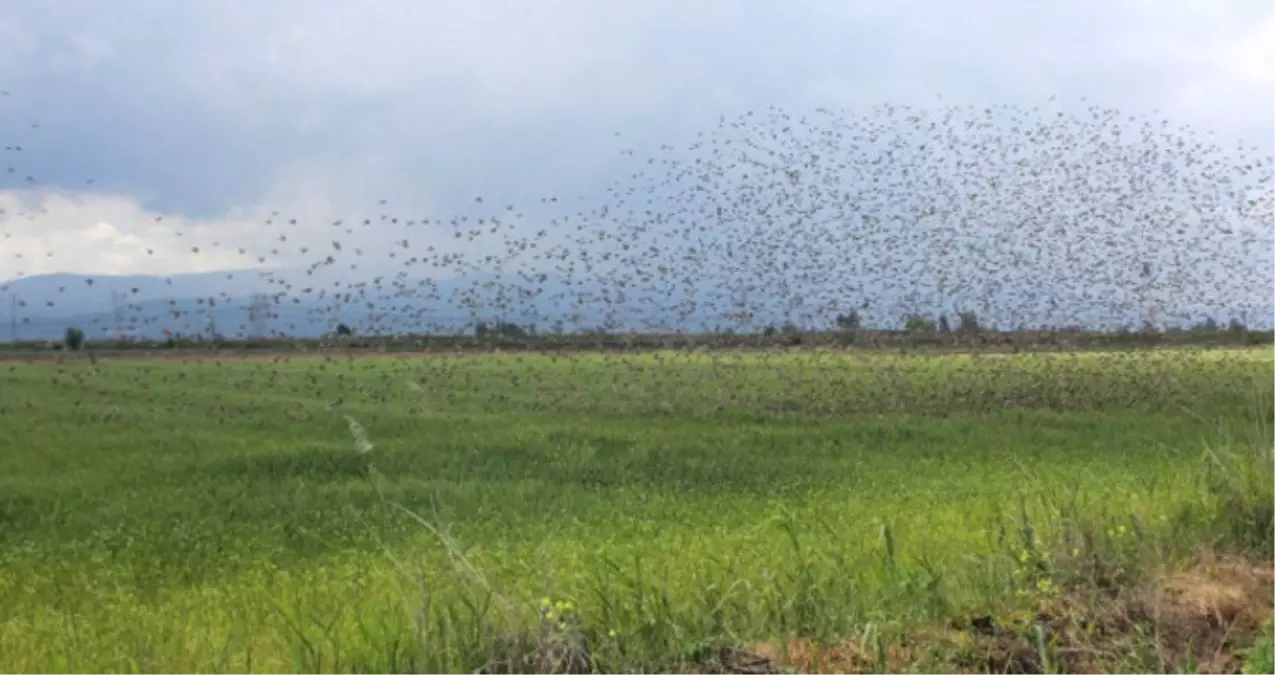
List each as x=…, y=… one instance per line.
x=1197, y=620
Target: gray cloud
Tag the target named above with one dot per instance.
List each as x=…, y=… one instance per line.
x=217, y=113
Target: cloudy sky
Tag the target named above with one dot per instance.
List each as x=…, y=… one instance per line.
x=195, y=120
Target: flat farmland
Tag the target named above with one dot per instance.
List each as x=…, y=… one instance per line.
x=615, y=512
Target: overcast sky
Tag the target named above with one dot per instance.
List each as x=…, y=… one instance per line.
x=210, y=114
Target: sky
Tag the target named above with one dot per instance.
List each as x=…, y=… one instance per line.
x=197, y=120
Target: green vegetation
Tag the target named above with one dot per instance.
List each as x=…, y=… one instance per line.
x=74, y=339
x=667, y=510
x=920, y=333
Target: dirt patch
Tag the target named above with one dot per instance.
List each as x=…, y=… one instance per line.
x=1198, y=620
x=1209, y=612
x=722, y=660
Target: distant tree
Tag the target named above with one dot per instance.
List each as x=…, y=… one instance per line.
x=481, y=328
x=944, y=326
x=769, y=331
x=1237, y=327
x=74, y=339
x=343, y=330
x=789, y=327
x=510, y=329
x=969, y=322
x=920, y=325
x=848, y=321
x=846, y=338
x=1208, y=325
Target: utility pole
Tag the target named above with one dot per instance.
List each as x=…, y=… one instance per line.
x=117, y=305
x=13, y=318
x=212, y=318
x=258, y=314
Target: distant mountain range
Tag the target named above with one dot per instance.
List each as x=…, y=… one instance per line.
x=310, y=303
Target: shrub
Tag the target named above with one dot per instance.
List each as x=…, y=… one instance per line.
x=969, y=322
x=920, y=325
x=510, y=329
x=74, y=339
x=1261, y=656
x=849, y=321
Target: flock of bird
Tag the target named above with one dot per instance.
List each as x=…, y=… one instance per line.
x=1027, y=217
x=1037, y=217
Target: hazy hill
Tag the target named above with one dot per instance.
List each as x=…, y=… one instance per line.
x=309, y=304
x=306, y=305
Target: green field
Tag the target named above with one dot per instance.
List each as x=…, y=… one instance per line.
x=217, y=515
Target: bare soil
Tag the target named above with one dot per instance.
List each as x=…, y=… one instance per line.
x=1199, y=620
